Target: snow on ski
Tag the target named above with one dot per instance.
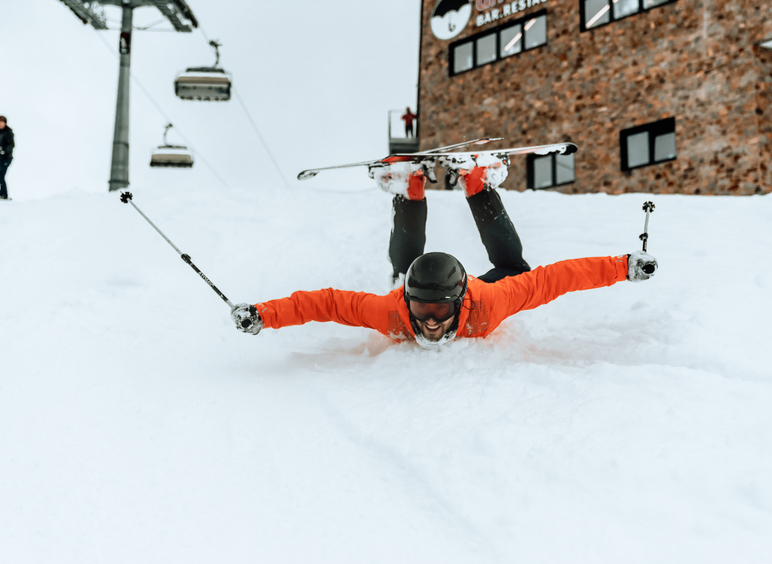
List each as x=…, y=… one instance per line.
x=444, y=152
x=310, y=173
x=561, y=148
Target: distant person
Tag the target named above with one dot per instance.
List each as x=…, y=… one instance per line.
x=408, y=118
x=6, y=155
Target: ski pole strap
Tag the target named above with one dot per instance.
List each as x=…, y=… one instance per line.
x=644, y=237
x=648, y=207
x=126, y=198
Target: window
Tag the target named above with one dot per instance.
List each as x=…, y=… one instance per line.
x=505, y=41
x=462, y=57
x=535, y=32
x=638, y=149
x=648, y=144
x=624, y=8
x=511, y=40
x=549, y=171
x=486, y=49
x=595, y=13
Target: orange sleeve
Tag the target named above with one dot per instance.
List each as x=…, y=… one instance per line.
x=356, y=309
x=546, y=283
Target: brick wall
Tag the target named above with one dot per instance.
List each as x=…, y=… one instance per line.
x=695, y=60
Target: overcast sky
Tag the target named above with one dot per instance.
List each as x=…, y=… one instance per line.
x=318, y=78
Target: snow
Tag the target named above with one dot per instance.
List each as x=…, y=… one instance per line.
x=625, y=424
x=495, y=174
x=395, y=178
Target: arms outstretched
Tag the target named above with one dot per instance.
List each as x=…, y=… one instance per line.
x=485, y=305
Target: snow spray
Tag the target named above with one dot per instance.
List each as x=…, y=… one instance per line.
x=648, y=207
x=127, y=198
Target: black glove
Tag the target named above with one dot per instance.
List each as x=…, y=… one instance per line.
x=246, y=318
x=640, y=266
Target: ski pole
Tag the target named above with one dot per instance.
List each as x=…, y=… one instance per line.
x=648, y=207
x=126, y=198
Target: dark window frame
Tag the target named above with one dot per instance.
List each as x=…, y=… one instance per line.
x=655, y=128
x=530, y=175
x=641, y=9
x=497, y=31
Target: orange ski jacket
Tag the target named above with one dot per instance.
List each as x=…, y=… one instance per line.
x=485, y=305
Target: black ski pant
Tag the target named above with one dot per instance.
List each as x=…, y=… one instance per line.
x=498, y=234
x=5, y=162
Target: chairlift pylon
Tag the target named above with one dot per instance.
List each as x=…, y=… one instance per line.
x=171, y=156
x=210, y=84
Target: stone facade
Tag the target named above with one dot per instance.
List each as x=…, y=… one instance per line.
x=699, y=61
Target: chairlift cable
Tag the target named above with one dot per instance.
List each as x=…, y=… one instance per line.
x=201, y=29
x=251, y=119
x=136, y=27
x=260, y=136
x=155, y=23
x=141, y=29
x=163, y=114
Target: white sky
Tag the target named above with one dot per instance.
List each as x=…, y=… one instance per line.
x=318, y=78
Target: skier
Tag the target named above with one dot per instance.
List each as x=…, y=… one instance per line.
x=408, y=118
x=439, y=301
x=6, y=154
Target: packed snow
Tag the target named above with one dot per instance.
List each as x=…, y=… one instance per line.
x=625, y=424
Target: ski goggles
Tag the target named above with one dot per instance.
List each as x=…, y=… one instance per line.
x=441, y=311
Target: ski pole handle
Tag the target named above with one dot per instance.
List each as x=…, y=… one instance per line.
x=126, y=198
x=648, y=207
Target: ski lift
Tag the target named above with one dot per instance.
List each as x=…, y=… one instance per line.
x=171, y=156
x=211, y=84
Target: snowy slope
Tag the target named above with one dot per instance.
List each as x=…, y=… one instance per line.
x=628, y=424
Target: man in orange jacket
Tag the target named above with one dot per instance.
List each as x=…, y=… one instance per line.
x=439, y=302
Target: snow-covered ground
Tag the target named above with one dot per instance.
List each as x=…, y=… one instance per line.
x=628, y=424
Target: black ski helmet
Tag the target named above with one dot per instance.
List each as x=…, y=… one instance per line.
x=435, y=277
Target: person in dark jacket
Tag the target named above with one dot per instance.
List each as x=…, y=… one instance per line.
x=6, y=154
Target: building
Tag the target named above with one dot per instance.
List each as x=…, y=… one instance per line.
x=666, y=96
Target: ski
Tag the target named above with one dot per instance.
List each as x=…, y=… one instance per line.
x=310, y=173
x=561, y=148
x=463, y=145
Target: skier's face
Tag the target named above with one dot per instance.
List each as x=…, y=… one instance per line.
x=433, y=319
x=432, y=329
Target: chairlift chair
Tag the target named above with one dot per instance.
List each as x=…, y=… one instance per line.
x=171, y=156
x=211, y=84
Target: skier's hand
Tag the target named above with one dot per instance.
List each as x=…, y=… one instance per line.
x=640, y=266
x=247, y=319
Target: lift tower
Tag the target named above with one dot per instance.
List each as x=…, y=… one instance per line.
x=182, y=19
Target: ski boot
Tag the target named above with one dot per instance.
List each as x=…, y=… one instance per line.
x=403, y=178
x=477, y=172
